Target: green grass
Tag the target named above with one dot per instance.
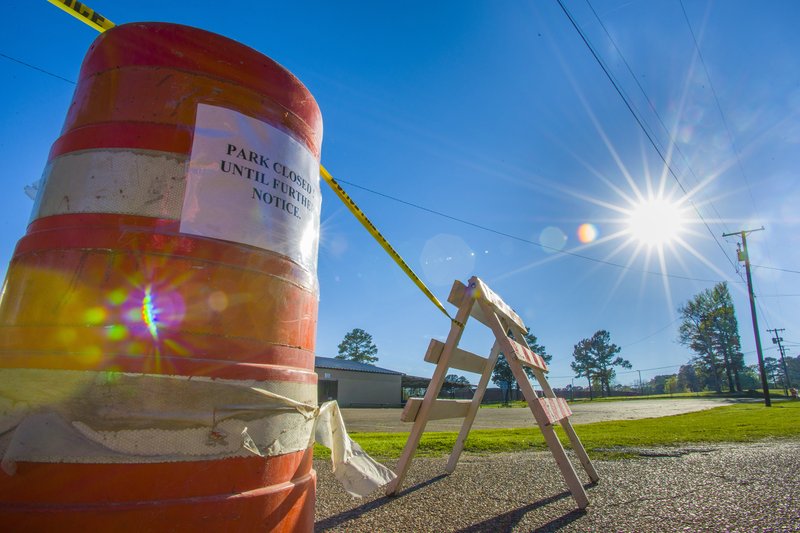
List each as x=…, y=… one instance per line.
x=735, y=423
x=774, y=393
x=676, y=396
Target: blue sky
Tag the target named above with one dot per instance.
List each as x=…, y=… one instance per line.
x=497, y=114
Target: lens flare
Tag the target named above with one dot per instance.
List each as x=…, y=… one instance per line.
x=150, y=313
x=94, y=315
x=552, y=239
x=117, y=297
x=218, y=301
x=116, y=332
x=587, y=233
x=446, y=257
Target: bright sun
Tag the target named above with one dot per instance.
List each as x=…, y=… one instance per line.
x=655, y=221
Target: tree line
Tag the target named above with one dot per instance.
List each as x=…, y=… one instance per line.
x=708, y=327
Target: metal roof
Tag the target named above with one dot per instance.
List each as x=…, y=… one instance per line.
x=353, y=366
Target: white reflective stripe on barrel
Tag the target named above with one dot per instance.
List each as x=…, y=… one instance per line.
x=128, y=182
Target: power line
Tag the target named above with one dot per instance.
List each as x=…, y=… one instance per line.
x=776, y=268
x=522, y=239
x=15, y=60
x=649, y=369
x=642, y=126
x=734, y=149
x=651, y=335
x=719, y=107
x=652, y=106
x=625, y=372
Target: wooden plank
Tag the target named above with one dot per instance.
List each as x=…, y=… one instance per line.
x=440, y=410
x=459, y=295
x=460, y=359
x=477, y=289
x=526, y=356
x=556, y=409
x=453, y=338
x=499, y=306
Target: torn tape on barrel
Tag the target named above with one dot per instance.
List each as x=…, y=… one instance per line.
x=144, y=418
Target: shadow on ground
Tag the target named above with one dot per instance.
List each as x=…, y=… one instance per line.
x=341, y=518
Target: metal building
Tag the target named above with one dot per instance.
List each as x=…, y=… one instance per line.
x=355, y=384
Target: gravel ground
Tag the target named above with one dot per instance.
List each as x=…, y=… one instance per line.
x=388, y=420
x=731, y=487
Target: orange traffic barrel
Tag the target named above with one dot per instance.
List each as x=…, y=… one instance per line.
x=158, y=319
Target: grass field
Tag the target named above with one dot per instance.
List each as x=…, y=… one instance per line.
x=735, y=423
x=774, y=393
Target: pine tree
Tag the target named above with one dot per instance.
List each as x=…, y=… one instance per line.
x=594, y=358
x=357, y=346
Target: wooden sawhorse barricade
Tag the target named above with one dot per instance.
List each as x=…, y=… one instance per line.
x=478, y=301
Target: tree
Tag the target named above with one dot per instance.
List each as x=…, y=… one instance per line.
x=751, y=378
x=594, y=358
x=772, y=367
x=582, y=365
x=503, y=377
x=793, y=366
x=603, y=352
x=453, y=382
x=357, y=346
x=658, y=385
x=671, y=384
x=694, y=333
x=709, y=328
x=726, y=334
x=687, y=379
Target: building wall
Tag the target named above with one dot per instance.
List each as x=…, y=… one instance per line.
x=363, y=389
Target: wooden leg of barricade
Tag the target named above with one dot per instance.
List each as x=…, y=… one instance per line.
x=575, y=442
x=570, y=476
x=580, y=451
x=456, y=330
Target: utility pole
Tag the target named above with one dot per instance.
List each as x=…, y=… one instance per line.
x=743, y=256
x=777, y=339
x=641, y=387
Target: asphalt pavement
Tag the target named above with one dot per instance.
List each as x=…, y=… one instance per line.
x=736, y=487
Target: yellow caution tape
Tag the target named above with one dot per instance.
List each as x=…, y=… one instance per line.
x=359, y=214
x=101, y=24
x=84, y=14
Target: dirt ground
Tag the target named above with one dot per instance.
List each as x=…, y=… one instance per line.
x=388, y=420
